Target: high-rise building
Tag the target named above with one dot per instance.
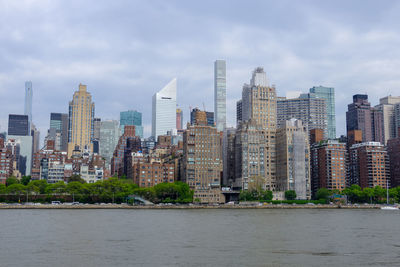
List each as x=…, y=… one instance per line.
x=22, y=150
x=28, y=102
x=328, y=165
x=238, y=111
x=358, y=116
x=327, y=93
x=164, y=110
x=209, y=116
x=18, y=125
x=307, y=108
x=368, y=165
x=250, y=162
x=293, y=159
x=387, y=108
x=59, y=122
x=202, y=162
x=96, y=128
x=179, y=119
x=220, y=94
x=131, y=117
x=393, y=147
x=397, y=118
x=35, y=133
x=259, y=104
x=81, y=119
x=109, y=135
x=228, y=156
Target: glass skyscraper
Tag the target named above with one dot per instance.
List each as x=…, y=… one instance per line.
x=131, y=117
x=327, y=93
x=18, y=125
x=220, y=94
x=164, y=110
x=59, y=122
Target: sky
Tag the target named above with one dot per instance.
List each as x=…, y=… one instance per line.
x=125, y=51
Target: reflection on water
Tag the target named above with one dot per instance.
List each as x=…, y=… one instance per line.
x=199, y=237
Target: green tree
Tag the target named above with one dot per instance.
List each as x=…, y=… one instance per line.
x=41, y=184
x=266, y=195
x=57, y=188
x=322, y=193
x=3, y=188
x=16, y=189
x=76, y=178
x=368, y=194
x=25, y=180
x=290, y=195
x=11, y=180
x=379, y=193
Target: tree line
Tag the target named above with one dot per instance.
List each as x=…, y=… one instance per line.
x=77, y=190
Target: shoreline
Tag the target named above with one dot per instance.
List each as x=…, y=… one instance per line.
x=122, y=206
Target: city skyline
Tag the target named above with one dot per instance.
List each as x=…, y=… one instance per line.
x=352, y=54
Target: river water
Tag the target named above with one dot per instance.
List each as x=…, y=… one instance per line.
x=296, y=237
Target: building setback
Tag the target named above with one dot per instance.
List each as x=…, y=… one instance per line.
x=131, y=117
x=209, y=115
x=259, y=104
x=81, y=121
x=202, y=162
x=293, y=159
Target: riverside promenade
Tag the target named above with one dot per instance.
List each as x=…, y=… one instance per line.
x=165, y=206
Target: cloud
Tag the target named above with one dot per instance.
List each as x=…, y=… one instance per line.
x=125, y=51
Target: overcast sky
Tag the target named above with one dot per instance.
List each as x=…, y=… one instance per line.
x=125, y=51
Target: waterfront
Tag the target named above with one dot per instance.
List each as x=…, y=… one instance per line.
x=219, y=237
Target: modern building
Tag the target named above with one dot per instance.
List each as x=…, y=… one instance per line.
x=358, y=117
x=22, y=150
x=220, y=94
x=179, y=119
x=228, y=156
x=307, y=108
x=131, y=117
x=35, y=133
x=59, y=122
x=369, y=165
x=6, y=162
x=293, y=159
x=327, y=93
x=259, y=104
x=328, y=165
x=81, y=121
x=164, y=110
x=209, y=115
x=109, y=135
x=18, y=125
x=202, y=162
x=238, y=112
x=28, y=102
x=387, y=109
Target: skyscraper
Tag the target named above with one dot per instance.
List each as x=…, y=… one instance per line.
x=209, y=116
x=164, y=110
x=109, y=135
x=59, y=122
x=18, y=125
x=387, y=108
x=358, y=117
x=179, y=119
x=220, y=94
x=28, y=102
x=131, y=117
x=327, y=93
x=81, y=119
x=259, y=104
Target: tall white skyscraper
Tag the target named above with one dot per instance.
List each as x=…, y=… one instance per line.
x=164, y=110
x=220, y=94
x=28, y=102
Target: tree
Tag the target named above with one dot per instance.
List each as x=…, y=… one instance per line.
x=16, y=189
x=368, y=194
x=11, y=180
x=25, y=180
x=76, y=178
x=266, y=195
x=290, y=195
x=41, y=184
x=379, y=193
x=3, y=188
x=322, y=193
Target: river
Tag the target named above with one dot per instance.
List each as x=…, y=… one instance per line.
x=278, y=237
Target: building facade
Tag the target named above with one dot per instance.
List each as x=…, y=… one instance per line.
x=28, y=102
x=293, y=159
x=327, y=93
x=209, y=115
x=109, y=135
x=131, y=117
x=81, y=121
x=220, y=94
x=18, y=125
x=59, y=122
x=393, y=147
x=202, y=162
x=388, y=121
x=164, y=110
x=179, y=119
